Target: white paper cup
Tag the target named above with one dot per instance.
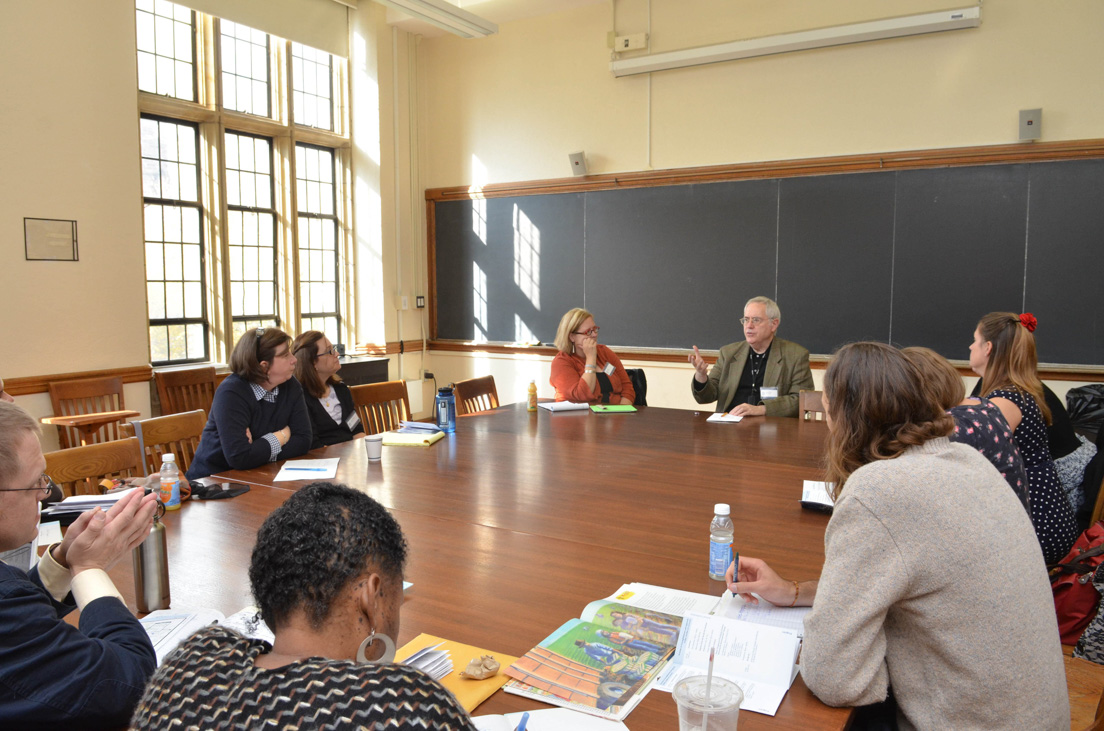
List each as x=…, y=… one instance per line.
x=374, y=444
x=721, y=708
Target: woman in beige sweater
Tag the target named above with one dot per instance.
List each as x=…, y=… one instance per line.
x=933, y=584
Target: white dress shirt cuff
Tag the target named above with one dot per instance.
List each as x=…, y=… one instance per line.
x=92, y=584
x=54, y=577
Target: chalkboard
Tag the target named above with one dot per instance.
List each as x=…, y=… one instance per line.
x=912, y=257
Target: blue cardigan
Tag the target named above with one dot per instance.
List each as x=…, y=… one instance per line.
x=224, y=445
x=53, y=675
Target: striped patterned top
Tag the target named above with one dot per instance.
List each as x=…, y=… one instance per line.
x=211, y=682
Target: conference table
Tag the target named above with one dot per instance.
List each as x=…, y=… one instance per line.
x=517, y=520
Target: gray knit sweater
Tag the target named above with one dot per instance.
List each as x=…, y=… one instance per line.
x=934, y=583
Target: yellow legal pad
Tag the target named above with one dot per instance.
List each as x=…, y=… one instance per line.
x=470, y=693
x=395, y=439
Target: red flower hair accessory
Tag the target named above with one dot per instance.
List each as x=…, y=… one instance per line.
x=1028, y=320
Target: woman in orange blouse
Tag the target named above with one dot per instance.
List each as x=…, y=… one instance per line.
x=584, y=371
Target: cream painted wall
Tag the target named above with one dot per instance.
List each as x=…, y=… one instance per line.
x=70, y=151
x=510, y=107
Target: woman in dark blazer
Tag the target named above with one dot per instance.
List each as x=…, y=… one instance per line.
x=257, y=415
x=330, y=404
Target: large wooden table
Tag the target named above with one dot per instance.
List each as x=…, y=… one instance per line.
x=518, y=520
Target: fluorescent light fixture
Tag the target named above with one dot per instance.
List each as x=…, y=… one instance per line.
x=838, y=35
x=446, y=16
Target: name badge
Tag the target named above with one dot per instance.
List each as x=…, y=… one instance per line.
x=766, y=393
x=353, y=421
x=608, y=369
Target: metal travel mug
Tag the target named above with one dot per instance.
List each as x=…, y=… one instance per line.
x=151, y=569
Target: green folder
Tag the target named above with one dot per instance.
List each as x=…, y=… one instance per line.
x=612, y=408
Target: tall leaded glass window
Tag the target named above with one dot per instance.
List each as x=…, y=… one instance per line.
x=166, y=49
x=312, y=86
x=174, y=241
x=245, y=69
x=251, y=231
x=316, y=196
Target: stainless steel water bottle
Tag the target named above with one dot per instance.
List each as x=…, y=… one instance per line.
x=151, y=568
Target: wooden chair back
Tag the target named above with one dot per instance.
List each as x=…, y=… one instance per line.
x=87, y=396
x=77, y=471
x=185, y=390
x=475, y=395
x=810, y=406
x=175, y=434
x=381, y=406
x=1098, y=508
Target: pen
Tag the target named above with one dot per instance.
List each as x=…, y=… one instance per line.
x=524, y=720
x=307, y=469
x=735, y=566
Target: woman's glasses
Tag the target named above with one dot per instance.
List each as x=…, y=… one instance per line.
x=589, y=333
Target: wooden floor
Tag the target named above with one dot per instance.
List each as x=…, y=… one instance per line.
x=518, y=520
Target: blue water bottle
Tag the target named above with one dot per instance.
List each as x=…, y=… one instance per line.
x=446, y=409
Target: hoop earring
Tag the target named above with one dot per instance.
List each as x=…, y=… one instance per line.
x=388, y=648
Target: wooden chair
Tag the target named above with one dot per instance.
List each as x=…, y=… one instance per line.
x=185, y=390
x=381, y=406
x=77, y=471
x=1085, y=684
x=810, y=406
x=475, y=395
x=175, y=434
x=88, y=411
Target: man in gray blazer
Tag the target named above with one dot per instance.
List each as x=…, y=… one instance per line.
x=760, y=377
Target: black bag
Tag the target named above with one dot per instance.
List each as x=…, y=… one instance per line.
x=1086, y=406
x=640, y=385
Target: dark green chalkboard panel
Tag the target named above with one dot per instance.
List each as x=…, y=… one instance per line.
x=731, y=252
x=913, y=257
x=835, y=259
x=1065, y=261
x=518, y=277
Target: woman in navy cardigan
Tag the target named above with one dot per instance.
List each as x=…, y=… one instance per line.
x=330, y=404
x=258, y=415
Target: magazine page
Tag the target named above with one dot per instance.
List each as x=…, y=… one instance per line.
x=581, y=666
x=758, y=658
x=661, y=599
x=654, y=628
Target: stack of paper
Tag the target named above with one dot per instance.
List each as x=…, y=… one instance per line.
x=417, y=427
x=434, y=662
x=469, y=692
x=308, y=469
x=723, y=417
x=417, y=439
x=81, y=503
x=167, y=628
x=548, y=719
x=555, y=406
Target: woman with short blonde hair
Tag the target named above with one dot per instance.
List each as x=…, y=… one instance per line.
x=585, y=371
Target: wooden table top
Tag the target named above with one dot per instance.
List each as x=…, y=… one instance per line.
x=518, y=520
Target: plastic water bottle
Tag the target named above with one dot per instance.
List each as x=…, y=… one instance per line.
x=720, y=542
x=445, y=408
x=169, y=494
x=532, y=396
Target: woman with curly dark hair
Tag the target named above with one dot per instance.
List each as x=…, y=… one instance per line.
x=933, y=586
x=326, y=573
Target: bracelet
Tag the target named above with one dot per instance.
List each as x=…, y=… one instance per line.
x=796, y=592
x=590, y=368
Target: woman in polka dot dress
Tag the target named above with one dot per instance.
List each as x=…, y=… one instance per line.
x=1003, y=354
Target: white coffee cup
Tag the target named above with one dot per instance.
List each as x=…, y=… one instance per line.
x=374, y=444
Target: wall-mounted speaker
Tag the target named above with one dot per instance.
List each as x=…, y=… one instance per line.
x=578, y=163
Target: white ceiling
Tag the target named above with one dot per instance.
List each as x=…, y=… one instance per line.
x=496, y=11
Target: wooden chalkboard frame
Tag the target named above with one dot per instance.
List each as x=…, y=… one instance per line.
x=923, y=159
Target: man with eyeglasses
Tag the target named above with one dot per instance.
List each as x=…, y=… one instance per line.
x=762, y=376
x=52, y=674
